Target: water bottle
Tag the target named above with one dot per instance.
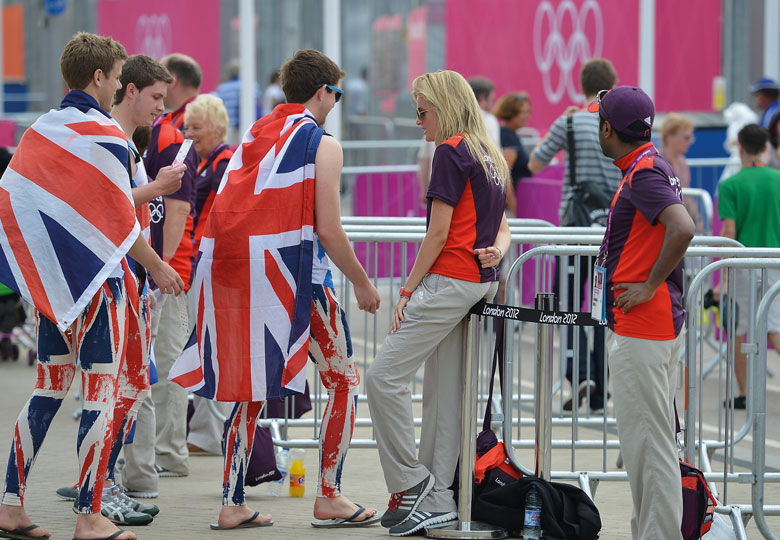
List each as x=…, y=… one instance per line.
x=532, y=523
x=297, y=474
x=282, y=463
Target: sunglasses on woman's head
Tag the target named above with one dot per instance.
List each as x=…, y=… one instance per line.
x=421, y=113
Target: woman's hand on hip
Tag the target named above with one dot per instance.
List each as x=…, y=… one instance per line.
x=489, y=256
x=398, y=314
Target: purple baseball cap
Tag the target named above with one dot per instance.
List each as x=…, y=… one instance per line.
x=628, y=110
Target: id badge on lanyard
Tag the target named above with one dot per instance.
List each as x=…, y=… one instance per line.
x=598, y=304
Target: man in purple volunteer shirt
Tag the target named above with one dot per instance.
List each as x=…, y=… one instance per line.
x=648, y=231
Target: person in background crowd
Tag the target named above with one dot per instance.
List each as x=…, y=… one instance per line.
x=229, y=91
x=676, y=138
x=456, y=266
x=748, y=206
x=591, y=165
x=206, y=122
x=273, y=95
x=513, y=110
x=160, y=442
x=640, y=260
x=766, y=92
x=485, y=92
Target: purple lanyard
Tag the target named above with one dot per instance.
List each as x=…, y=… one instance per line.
x=648, y=152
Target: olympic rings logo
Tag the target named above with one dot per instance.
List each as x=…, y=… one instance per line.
x=153, y=35
x=552, y=48
x=156, y=210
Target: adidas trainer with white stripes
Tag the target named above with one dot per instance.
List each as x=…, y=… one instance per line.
x=420, y=520
x=403, y=503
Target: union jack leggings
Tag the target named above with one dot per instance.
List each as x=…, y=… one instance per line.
x=133, y=382
x=330, y=347
x=96, y=343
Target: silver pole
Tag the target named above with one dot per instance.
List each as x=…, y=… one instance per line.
x=465, y=528
x=331, y=31
x=543, y=390
x=247, y=108
x=647, y=46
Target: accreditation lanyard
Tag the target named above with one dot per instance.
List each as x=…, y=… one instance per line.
x=598, y=306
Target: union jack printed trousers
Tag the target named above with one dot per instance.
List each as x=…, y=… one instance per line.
x=133, y=382
x=330, y=347
x=96, y=343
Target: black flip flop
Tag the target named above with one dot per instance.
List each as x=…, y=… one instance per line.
x=335, y=523
x=246, y=524
x=120, y=531
x=19, y=534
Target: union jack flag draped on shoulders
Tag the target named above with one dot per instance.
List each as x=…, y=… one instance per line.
x=67, y=217
x=253, y=280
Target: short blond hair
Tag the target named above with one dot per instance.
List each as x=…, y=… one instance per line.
x=211, y=109
x=674, y=123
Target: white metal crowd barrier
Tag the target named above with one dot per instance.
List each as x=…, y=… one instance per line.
x=589, y=479
x=368, y=333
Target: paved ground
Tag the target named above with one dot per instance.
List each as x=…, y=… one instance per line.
x=189, y=504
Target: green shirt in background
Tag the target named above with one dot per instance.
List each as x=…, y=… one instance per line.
x=5, y=291
x=752, y=199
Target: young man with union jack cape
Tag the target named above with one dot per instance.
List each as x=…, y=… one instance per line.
x=67, y=223
x=264, y=290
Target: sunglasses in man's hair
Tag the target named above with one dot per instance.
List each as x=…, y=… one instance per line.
x=339, y=91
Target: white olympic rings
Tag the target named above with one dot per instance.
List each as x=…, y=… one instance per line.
x=153, y=35
x=552, y=48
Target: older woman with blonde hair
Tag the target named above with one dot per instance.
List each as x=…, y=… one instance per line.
x=456, y=266
x=206, y=122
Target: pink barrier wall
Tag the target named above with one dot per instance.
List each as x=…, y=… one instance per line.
x=7, y=133
x=396, y=195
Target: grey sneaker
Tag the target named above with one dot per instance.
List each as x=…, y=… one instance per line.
x=421, y=520
x=144, y=508
x=162, y=472
x=403, y=503
x=118, y=512
x=141, y=494
x=70, y=493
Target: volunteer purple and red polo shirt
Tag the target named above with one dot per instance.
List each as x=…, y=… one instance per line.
x=459, y=180
x=634, y=243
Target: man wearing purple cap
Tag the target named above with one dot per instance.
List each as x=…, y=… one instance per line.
x=648, y=231
x=766, y=93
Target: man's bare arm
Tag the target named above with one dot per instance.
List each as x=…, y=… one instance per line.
x=164, y=276
x=327, y=215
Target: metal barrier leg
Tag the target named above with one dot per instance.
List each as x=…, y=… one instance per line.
x=465, y=528
x=543, y=390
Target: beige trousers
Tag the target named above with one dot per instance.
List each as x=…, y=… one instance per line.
x=432, y=335
x=644, y=379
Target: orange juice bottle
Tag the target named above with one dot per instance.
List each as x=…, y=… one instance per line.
x=297, y=474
